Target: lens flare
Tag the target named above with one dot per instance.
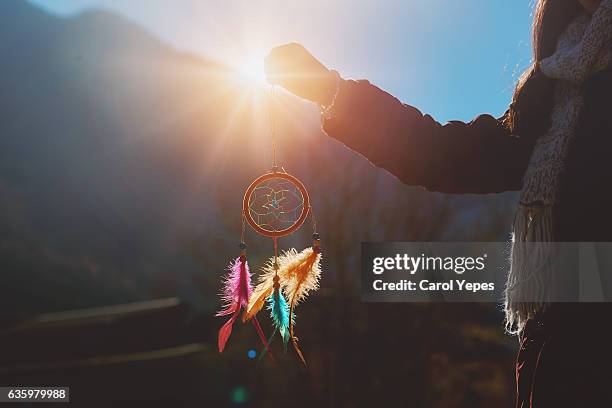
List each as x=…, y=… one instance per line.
x=251, y=69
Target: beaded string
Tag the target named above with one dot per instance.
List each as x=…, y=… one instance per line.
x=276, y=266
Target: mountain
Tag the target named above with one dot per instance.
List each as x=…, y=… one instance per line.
x=122, y=168
x=123, y=163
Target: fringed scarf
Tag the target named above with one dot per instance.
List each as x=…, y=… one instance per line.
x=582, y=50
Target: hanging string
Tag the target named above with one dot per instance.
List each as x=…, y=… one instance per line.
x=272, y=98
x=243, y=227
x=313, y=219
x=271, y=101
x=275, y=255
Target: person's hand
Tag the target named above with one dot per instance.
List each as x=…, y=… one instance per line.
x=295, y=69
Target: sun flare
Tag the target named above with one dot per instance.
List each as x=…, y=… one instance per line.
x=251, y=69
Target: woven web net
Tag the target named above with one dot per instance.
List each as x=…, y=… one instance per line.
x=275, y=204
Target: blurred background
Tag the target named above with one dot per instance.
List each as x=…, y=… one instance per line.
x=129, y=132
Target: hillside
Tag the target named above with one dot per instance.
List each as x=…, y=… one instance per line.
x=123, y=162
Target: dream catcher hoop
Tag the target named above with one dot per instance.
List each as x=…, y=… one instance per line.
x=275, y=205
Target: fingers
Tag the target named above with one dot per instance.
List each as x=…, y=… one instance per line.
x=292, y=61
x=295, y=69
x=284, y=62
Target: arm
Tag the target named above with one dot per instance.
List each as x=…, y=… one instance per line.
x=477, y=157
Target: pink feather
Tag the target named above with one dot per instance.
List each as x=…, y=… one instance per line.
x=225, y=331
x=235, y=295
x=237, y=287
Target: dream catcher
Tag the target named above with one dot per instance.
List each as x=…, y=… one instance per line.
x=275, y=205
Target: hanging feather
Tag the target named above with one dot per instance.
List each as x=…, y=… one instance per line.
x=236, y=287
x=279, y=313
x=300, y=273
x=235, y=295
x=226, y=330
x=263, y=290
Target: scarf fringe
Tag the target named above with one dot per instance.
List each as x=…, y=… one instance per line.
x=528, y=285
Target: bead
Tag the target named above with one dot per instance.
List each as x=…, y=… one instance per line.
x=276, y=265
x=317, y=250
x=275, y=279
x=242, y=245
x=316, y=236
x=242, y=258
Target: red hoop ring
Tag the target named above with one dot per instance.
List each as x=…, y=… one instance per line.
x=286, y=231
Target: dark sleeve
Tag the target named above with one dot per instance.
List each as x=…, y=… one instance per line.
x=477, y=157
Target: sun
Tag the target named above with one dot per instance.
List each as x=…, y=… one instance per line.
x=251, y=69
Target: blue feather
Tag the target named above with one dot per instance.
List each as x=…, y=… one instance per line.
x=279, y=313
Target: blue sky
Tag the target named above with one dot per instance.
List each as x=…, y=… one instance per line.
x=452, y=59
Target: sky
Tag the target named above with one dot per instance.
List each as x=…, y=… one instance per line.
x=453, y=59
